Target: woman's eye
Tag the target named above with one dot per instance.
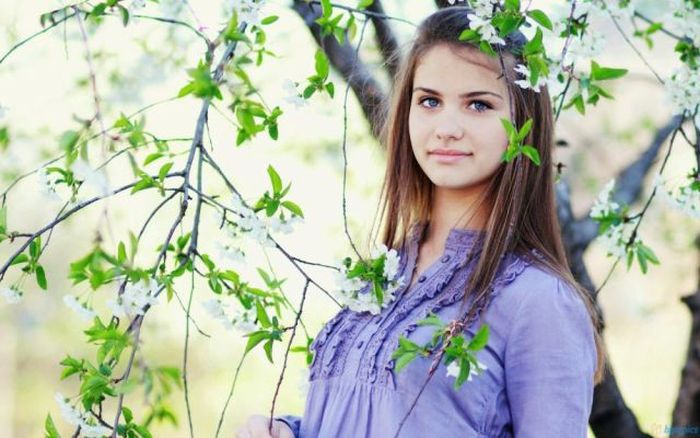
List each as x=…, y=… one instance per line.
x=481, y=105
x=420, y=102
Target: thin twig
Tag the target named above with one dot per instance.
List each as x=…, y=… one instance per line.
x=286, y=354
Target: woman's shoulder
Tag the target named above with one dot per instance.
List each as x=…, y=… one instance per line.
x=527, y=285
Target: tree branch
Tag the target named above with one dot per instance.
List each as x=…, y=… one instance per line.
x=367, y=89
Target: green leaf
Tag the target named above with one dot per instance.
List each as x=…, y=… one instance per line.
x=262, y=315
x=480, y=339
x=404, y=360
x=294, y=208
x=330, y=88
x=599, y=73
x=364, y=3
x=326, y=7
x=255, y=338
x=532, y=154
x=68, y=141
x=432, y=319
x=321, y=64
x=121, y=252
x=124, y=13
x=21, y=258
x=525, y=129
x=163, y=172
x=41, y=277
x=269, y=20
x=34, y=248
x=464, y=367
x=541, y=18
x=50, y=430
x=274, y=179
x=152, y=157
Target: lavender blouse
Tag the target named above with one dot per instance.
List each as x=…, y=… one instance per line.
x=540, y=358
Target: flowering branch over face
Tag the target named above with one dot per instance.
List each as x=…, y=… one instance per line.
x=369, y=285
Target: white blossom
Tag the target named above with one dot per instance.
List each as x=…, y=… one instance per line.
x=215, y=308
x=135, y=298
x=615, y=238
x=48, y=184
x=231, y=252
x=70, y=414
x=242, y=320
x=685, y=19
x=3, y=111
x=589, y=45
x=85, y=313
x=453, y=369
x=604, y=205
x=485, y=29
x=247, y=10
x=683, y=198
x=525, y=82
x=94, y=430
x=11, y=294
x=683, y=90
x=358, y=295
x=259, y=229
x=87, y=422
x=483, y=8
x=96, y=178
x=292, y=95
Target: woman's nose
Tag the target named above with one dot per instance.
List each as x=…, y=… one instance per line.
x=448, y=126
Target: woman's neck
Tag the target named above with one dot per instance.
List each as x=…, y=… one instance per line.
x=455, y=209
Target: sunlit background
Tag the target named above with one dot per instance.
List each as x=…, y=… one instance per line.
x=44, y=86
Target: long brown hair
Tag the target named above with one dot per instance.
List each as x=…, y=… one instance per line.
x=520, y=195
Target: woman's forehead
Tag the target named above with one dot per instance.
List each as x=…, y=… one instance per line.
x=432, y=62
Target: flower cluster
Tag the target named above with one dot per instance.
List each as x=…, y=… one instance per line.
x=247, y=10
x=48, y=183
x=87, y=423
x=85, y=313
x=453, y=369
x=11, y=294
x=685, y=18
x=248, y=222
x=97, y=178
x=683, y=91
x=486, y=30
x=525, y=82
x=243, y=320
x=135, y=298
x=358, y=293
x=292, y=95
x=617, y=231
x=685, y=198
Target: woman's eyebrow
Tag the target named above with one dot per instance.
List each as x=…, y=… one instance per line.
x=470, y=94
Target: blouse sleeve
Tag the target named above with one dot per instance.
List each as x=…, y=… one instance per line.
x=293, y=421
x=550, y=360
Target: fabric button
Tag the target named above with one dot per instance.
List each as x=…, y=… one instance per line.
x=421, y=279
x=445, y=258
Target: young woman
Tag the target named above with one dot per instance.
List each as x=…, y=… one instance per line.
x=477, y=236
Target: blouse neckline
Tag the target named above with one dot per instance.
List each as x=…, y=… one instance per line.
x=459, y=239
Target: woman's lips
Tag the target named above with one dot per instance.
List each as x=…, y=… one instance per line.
x=448, y=155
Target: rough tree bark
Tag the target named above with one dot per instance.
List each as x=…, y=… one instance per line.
x=687, y=409
x=610, y=417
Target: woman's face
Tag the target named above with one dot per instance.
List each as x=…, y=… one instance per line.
x=454, y=121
